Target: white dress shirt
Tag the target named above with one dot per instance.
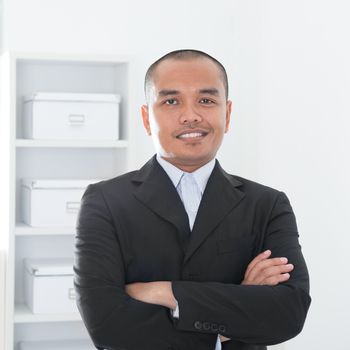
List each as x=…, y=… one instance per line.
x=191, y=199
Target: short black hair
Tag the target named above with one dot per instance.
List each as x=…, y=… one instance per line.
x=184, y=54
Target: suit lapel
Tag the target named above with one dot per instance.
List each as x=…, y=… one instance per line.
x=157, y=192
x=219, y=198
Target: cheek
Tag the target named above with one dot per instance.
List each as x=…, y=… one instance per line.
x=219, y=126
x=154, y=126
x=164, y=134
x=164, y=125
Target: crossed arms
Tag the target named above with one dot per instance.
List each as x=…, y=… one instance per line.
x=268, y=307
x=261, y=271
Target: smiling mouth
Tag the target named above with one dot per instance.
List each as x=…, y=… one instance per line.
x=192, y=135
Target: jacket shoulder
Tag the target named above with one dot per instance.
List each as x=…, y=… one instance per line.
x=255, y=189
x=253, y=185
x=119, y=182
x=260, y=194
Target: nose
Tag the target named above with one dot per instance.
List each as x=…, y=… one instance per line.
x=189, y=115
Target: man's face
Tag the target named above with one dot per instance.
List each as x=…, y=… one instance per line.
x=187, y=113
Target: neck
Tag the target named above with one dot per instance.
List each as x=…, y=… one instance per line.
x=188, y=167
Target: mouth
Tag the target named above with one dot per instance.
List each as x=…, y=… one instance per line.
x=192, y=135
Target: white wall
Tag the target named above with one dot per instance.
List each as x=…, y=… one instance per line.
x=2, y=298
x=304, y=147
x=289, y=75
x=1, y=25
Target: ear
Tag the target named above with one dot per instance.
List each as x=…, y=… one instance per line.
x=228, y=115
x=145, y=119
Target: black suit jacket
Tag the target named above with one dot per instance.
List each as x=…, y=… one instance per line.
x=134, y=228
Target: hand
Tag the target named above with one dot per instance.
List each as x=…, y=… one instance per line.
x=265, y=271
x=159, y=293
x=223, y=339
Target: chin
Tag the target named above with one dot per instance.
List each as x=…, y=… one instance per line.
x=196, y=159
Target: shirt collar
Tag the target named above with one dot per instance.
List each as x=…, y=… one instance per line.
x=201, y=175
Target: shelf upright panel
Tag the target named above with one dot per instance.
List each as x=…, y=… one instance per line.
x=8, y=184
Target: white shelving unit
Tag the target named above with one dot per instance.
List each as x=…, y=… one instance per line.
x=23, y=143
x=52, y=159
x=24, y=315
x=25, y=230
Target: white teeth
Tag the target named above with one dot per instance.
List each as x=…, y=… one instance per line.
x=192, y=134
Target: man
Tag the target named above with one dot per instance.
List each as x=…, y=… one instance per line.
x=180, y=254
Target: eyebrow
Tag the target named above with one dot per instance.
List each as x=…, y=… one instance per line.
x=210, y=91
x=168, y=92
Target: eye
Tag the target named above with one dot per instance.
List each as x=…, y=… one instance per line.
x=206, y=101
x=171, y=101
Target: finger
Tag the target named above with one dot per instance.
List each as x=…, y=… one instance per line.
x=259, y=267
x=223, y=339
x=130, y=288
x=273, y=271
x=275, y=280
x=262, y=256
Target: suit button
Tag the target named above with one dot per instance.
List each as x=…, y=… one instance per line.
x=222, y=328
x=198, y=325
x=206, y=326
x=214, y=327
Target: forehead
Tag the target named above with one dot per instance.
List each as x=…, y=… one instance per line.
x=185, y=74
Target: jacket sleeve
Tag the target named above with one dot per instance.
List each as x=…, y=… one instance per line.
x=113, y=319
x=263, y=315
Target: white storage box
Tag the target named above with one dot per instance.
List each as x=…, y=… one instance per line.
x=71, y=116
x=48, y=286
x=52, y=203
x=72, y=344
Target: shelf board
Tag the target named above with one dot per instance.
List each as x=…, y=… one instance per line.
x=26, y=143
x=24, y=315
x=79, y=58
x=22, y=229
